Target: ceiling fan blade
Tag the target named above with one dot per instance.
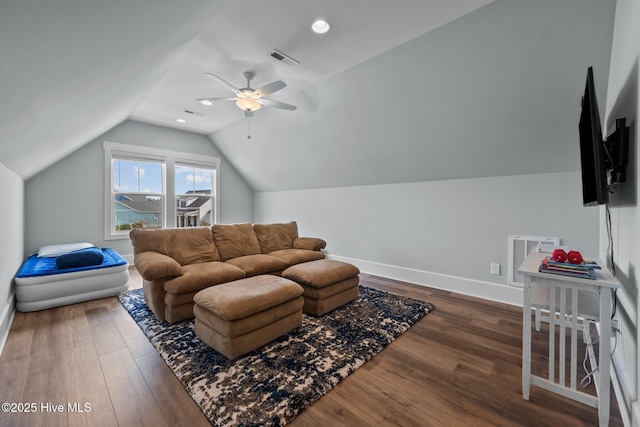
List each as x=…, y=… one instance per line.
x=223, y=82
x=270, y=88
x=276, y=104
x=232, y=98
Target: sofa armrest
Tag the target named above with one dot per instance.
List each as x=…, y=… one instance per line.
x=153, y=265
x=309, y=243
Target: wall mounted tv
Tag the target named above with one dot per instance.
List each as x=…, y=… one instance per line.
x=603, y=162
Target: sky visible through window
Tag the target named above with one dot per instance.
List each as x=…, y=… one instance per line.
x=192, y=179
x=146, y=177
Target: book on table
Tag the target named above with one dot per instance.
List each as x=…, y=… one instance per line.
x=584, y=270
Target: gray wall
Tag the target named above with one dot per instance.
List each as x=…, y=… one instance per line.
x=452, y=227
x=622, y=101
x=65, y=202
x=12, y=225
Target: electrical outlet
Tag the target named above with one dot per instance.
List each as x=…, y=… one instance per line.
x=495, y=269
x=615, y=326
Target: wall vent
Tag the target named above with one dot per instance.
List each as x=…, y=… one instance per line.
x=519, y=248
x=276, y=54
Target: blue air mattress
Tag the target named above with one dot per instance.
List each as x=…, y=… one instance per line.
x=40, y=284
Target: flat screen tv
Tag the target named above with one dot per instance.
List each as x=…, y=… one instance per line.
x=592, y=149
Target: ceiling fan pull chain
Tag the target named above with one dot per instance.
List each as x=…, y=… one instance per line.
x=248, y=127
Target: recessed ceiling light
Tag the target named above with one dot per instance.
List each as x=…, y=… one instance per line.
x=206, y=102
x=181, y=121
x=320, y=26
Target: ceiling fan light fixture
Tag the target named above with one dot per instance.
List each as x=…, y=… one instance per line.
x=320, y=26
x=248, y=104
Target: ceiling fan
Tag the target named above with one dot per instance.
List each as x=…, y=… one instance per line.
x=248, y=99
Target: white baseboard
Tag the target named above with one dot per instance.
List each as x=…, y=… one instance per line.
x=486, y=290
x=624, y=393
x=6, y=318
x=635, y=414
x=128, y=258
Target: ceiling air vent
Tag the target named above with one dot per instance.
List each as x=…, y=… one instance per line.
x=275, y=53
x=195, y=113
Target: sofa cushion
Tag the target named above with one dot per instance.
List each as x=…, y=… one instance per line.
x=235, y=240
x=185, y=245
x=322, y=273
x=243, y=298
x=254, y=265
x=238, y=327
x=297, y=256
x=202, y=275
x=273, y=237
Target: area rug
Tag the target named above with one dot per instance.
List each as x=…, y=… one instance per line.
x=271, y=385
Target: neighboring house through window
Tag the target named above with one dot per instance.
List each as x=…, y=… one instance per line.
x=153, y=188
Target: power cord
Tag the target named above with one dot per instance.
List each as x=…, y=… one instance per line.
x=610, y=241
x=611, y=260
x=586, y=380
x=617, y=334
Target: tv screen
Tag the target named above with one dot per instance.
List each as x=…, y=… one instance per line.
x=592, y=154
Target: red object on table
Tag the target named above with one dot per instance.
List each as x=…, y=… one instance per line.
x=575, y=257
x=559, y=255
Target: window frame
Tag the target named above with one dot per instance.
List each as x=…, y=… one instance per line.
x=169, y=159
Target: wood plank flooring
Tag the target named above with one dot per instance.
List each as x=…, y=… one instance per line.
x=458, y=366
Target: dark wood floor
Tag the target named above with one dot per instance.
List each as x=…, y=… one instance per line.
x=458, y=366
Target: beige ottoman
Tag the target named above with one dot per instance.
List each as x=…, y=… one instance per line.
x=327, y=284
x=237, y=317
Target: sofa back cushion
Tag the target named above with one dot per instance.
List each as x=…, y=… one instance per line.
x=235, y=240
x=274, y=237
x=185, y=245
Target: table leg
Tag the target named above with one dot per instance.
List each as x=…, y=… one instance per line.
x=604, y=362
x=526, y=339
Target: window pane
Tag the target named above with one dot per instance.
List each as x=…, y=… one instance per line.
x=194, y=211
x=137, y=211
x=137, y=176
x=194, y=199
x=193, y=180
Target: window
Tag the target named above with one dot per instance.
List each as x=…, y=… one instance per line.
x=194, y=195
x=153, y=188
x=137, y=193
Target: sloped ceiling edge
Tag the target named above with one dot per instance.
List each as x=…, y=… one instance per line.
x=76, y=68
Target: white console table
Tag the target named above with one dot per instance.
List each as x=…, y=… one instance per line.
x=540, y=290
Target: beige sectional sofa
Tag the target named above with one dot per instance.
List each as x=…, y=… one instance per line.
x=175, y=264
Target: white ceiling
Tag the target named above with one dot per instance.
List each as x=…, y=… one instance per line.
x=240, y=36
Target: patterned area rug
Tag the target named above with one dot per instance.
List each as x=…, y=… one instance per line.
x=271, y=385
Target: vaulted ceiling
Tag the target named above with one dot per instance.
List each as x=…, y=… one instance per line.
x=396, y=92
x=242, y=33
x=72, y=69
x=494, y=93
